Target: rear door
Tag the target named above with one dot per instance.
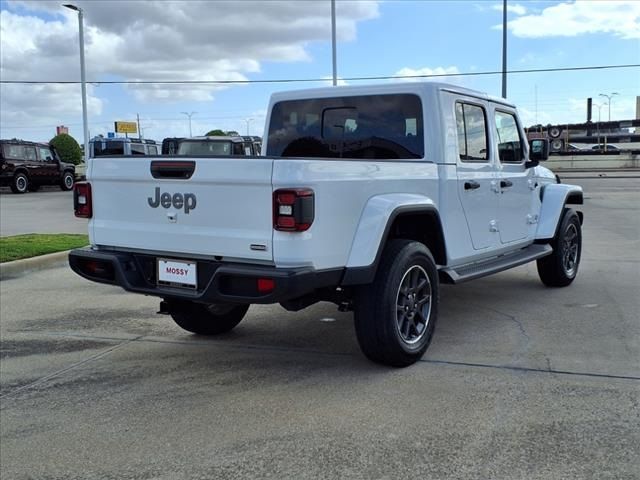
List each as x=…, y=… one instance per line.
x=476, y=173
x=201, y=206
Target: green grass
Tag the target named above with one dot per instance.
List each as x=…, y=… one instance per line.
x=32, y=245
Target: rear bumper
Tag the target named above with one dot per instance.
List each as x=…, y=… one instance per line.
x=218, y=282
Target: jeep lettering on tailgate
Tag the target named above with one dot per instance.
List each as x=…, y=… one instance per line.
x=178, y=200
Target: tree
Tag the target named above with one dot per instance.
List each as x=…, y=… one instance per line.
x=67, y=148
x=216, y=133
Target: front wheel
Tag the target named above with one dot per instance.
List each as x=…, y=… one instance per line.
x=207, y=319
x=66, y=183
x=561, y=267
x=396, y=315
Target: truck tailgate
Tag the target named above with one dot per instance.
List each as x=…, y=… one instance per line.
x=224, y=208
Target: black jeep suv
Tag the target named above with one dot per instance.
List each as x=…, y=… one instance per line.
x=25, y=166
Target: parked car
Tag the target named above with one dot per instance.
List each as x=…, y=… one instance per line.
x=25, y=166
x=231, y=145
x=603, y=148
x=367, y=197
x=100, y=147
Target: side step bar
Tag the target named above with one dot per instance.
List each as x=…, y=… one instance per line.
x=471, y=271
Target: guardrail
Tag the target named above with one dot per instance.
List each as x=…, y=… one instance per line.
x=594, y=160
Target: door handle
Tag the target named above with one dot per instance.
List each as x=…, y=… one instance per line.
x=506, y=183
x=472, y=185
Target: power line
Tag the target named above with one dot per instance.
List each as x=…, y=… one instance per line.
x=301, y=80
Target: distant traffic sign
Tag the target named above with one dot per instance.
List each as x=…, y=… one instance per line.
x=111, y=134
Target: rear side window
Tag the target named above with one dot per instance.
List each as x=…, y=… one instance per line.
x=472, y=132
x=30, y=153
x=360, y=127
x=153, y=150
x=13, y=151
x=137, y=149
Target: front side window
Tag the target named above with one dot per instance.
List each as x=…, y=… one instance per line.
x=509, y=141
x=472, y=132
x=359, y=127
x=153, y=150
x=45, y=154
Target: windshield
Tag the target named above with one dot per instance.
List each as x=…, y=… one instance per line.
x=108, y=148
x=204, y=147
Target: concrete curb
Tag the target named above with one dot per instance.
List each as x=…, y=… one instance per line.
x=18, y=268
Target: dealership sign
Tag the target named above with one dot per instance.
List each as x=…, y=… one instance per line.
x=126, y=127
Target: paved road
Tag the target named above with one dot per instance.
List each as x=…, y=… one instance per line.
x=520, y=382
x=49, y=210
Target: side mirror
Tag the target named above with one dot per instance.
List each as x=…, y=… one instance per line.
x=538, y=151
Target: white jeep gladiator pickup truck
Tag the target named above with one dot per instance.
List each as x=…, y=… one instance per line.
x=365, y=196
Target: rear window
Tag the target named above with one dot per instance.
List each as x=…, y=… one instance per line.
x=361, y=127
x=108, y=148
x=204, y=147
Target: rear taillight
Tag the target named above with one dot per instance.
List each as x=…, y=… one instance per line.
x=293, y=209
x=82, y=205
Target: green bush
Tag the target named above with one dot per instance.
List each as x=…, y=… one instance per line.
x=215, y=133
x=67, y=148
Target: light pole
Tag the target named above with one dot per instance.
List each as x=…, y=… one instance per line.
x=504, y=49
x=599, y=107
x=248, y=120
x=609, y=98
x=333, y=42
x=83, y=82
x=189, y=115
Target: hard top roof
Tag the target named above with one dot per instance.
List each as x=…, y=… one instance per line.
x=382, y=89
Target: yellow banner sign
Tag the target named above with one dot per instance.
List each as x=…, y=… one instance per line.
x=126, y=127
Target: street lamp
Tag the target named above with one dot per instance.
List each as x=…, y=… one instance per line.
x=83, y=81
x=189, y=115
x=609, y=98
x=248, y=120
x=599, y=107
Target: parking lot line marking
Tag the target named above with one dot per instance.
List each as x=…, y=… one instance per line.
x=274, y=348
x=66, y=369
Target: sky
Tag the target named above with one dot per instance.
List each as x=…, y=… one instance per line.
x=268, y=40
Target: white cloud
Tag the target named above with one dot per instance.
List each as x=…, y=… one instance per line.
x=619, y=18
x=511, y=8
x=426, y=74
x=150, y=41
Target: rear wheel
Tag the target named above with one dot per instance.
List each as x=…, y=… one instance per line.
x=207, y=319
x=395, y=316
x=561, y=267
x=66, y=183
x=20, y=183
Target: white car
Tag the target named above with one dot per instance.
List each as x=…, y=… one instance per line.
x=368, y=197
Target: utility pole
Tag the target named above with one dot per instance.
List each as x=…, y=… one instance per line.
x=504, y=49
x=189, y=115
x=248, y=120
x=139, y=131
x=333, y=42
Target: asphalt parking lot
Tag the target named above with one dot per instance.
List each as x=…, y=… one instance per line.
x=520, y=381
x=49, y=210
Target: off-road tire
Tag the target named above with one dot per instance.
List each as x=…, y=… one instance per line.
x=20, y=183
x=67, y=181
x=388, y=307
x=561, y=267
x=204, y=319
